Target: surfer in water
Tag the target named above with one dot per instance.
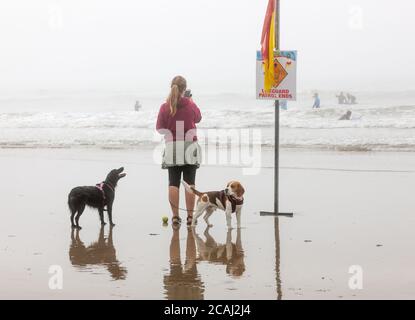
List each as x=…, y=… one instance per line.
x=342, y=98
x=137, y=106
x=284, y=105
x=351, y=99
x=316, y=104
x=346, y=116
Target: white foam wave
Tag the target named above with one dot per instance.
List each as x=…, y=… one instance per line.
x=375, y=128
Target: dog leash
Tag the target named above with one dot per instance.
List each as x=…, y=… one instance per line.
x=178, y=208
x=181, y=209
x=233, y=201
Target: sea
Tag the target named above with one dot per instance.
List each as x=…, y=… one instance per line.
x=381, y=121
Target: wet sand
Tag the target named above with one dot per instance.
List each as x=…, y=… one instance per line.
x=350, y=209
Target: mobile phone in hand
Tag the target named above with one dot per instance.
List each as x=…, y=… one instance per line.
x=188, y=94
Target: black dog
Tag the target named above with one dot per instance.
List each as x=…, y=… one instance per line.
x=95, y=197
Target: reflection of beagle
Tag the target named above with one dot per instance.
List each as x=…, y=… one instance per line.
x=229, y=254
x=229, y=200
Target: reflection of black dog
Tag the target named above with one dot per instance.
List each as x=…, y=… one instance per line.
x=100, y=253
x=96, y=197
x=230, y=254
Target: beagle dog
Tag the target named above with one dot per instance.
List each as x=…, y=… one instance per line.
x=229, y=200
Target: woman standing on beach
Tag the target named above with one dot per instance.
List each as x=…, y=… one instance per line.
x=177, y=121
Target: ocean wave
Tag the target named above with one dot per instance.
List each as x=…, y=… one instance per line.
x=127, y=139
x=123, y=145
x=399, y=117
x=374, y=128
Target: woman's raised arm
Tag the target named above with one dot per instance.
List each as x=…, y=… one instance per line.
x=196, y=110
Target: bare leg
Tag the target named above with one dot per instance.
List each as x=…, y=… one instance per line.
x=190, y=203
x=174, y=200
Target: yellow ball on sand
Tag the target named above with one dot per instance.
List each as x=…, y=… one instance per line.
x=165, y=220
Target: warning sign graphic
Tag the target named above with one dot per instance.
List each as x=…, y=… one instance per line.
x=285, y=76
x=280, y=73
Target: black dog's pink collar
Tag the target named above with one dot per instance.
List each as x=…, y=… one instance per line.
x=100, y=186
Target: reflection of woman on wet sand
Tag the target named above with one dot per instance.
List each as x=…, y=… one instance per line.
x=183, y=282
x=229, y=254
x=100, y=253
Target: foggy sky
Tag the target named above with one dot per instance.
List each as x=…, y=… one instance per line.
x=140, y=45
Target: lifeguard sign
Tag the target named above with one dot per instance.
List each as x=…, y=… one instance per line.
x=285, y=79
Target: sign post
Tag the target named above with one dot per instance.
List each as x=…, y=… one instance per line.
x=283, y=88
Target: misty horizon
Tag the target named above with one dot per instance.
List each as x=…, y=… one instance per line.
x=138, y=47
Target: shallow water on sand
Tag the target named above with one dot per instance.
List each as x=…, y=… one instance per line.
x=138, y=258
x=350, y=209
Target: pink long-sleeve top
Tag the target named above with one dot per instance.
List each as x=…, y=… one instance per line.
x=186, y=117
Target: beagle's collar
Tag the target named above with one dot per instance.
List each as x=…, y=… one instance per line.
x=238, y=201
x=232, y=199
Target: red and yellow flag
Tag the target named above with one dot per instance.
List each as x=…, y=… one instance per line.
x=268, y=46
